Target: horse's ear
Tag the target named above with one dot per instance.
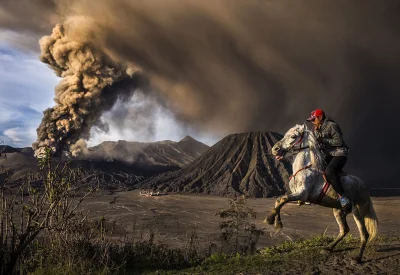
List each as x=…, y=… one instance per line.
x=305, y=126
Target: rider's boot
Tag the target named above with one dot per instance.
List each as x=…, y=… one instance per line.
x=345, y=203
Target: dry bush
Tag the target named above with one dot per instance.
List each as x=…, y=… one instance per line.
x=28, y=213
x=237, y=230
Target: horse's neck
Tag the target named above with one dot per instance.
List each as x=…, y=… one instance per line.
x=301, y=160
x=305, y=157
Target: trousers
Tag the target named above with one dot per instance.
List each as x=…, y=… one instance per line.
x=333, y=168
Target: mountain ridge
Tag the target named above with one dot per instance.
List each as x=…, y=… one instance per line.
x=150, y=159
x=238, y=164
x=165, y=152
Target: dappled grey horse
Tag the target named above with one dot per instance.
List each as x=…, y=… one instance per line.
x=308, y=184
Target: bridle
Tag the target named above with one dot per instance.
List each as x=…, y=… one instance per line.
x=292, y=148
x=299, y=142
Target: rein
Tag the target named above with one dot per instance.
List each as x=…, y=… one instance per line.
x=301, y=148
x=326, y=183
x=300, y=141
x=304, y=168
x=325, y=187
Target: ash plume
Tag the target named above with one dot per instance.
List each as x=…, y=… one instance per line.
x=91, y=84
x=232, y=66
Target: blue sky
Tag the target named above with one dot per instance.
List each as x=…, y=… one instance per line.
x=27, y=88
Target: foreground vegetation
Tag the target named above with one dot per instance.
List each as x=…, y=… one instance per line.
x=301, y=256
x=298, y=257
x=43, y=230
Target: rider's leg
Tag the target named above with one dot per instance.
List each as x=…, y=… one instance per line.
x=332, y=171
x=327, y=160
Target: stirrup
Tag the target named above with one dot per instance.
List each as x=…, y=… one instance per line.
x=344, y=202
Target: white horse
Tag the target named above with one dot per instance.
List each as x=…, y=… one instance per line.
x=308, y=184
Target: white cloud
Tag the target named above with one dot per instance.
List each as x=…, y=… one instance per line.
x=165, y=128
x=6, y=114
x=13, y=134
x=17, y=135
x=26, y=89
x=144, y=120
x=21, y=41
x=24, y=80
x=160, y=126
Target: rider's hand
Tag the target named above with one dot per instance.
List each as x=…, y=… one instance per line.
x=279, y=157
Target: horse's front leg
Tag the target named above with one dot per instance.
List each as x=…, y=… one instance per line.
x=275, y=217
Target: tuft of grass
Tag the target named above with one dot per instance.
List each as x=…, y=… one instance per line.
x=302, y=256
x=289, y=246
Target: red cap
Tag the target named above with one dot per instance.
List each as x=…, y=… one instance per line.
x=315, y=113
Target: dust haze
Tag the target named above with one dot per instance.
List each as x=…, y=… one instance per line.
x=232, y=66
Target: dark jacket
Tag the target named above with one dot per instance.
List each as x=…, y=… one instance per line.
x=332, y=138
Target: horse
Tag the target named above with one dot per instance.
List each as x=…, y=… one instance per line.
x=308, y=184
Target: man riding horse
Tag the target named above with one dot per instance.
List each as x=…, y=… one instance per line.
x=308, y=183
x=330, y=139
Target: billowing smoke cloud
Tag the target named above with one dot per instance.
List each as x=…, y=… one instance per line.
x=230, y=66
x=91, y=84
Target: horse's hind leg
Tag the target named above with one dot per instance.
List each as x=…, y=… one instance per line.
x=363, y=234
x=343, y=229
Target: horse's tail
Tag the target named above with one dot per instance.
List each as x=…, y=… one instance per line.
x=371, y=220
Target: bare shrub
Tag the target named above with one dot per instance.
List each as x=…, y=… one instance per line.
x=237, y=230
x=28, y=212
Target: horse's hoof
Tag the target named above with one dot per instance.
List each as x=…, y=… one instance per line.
x=270, y=219
x=278, y=226
x=326, y=250
x=356, y=260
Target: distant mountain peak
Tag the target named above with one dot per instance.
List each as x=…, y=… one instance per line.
x=187, y=138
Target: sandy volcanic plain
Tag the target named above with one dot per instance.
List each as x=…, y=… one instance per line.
x=173, y=216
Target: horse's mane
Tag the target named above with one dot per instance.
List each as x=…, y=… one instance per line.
x=316, y=156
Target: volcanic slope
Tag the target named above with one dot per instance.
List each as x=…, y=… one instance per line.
x=238, y=164
x=112, y=165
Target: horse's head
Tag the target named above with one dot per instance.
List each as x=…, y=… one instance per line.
x=292, y=138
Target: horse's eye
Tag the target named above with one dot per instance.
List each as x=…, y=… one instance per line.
x=294, y=136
